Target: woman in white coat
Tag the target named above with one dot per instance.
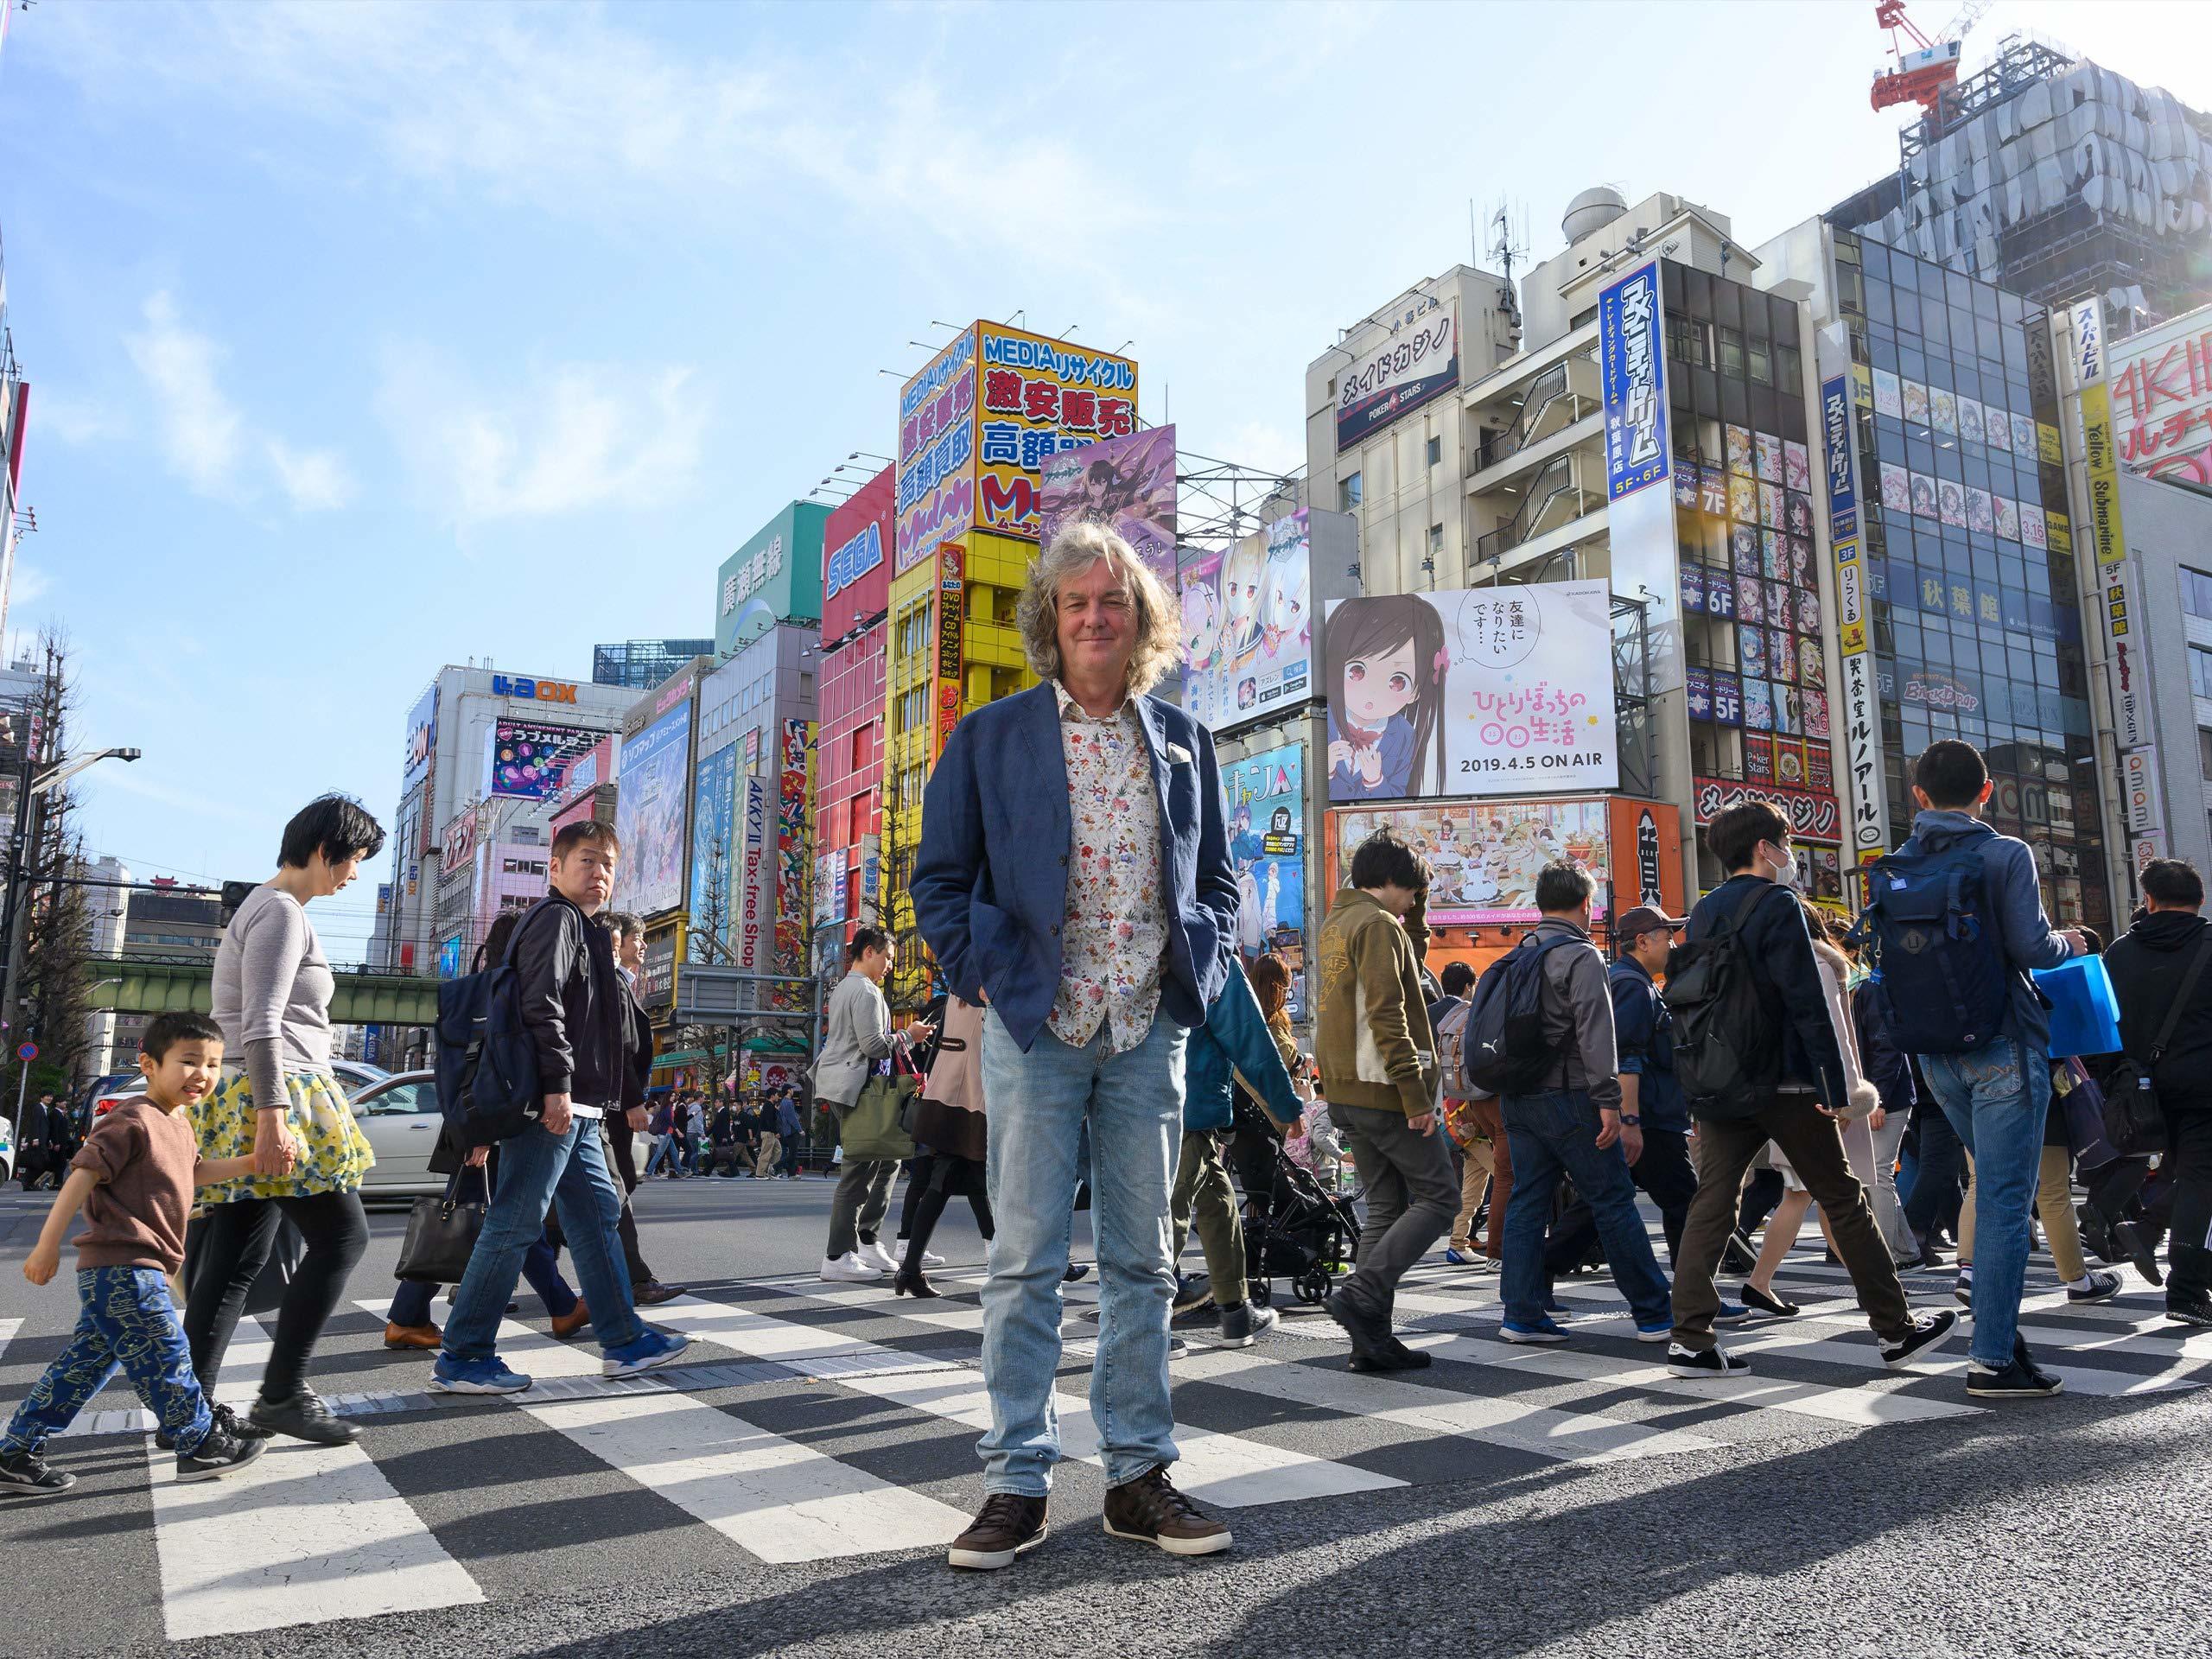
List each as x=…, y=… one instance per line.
x=857, y=1034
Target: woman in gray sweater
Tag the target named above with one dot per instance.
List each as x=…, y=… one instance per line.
x=282, y=1107
x=857, y=1034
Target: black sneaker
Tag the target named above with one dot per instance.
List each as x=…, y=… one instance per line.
x=2139, y=1242
x=25, y=1474
x=1244, y=1325
x=1394, y=1356
x=1713, y=1362
x=2188, y=1308
x=1203, y=1316
x=1195, y=1292
x=2103, y=1285
x=1962, y=1293
x=226, y=1419
x=1928, y=1330
x=304, y=1417
x=218, y=1455
x=1737, y=1255
x=2018, y=1381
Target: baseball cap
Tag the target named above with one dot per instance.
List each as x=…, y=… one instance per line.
x=1643, y=919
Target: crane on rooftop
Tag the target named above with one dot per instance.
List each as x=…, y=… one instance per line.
x=1928, y=69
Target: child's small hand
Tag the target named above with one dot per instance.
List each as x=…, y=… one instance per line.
x=41, y=1265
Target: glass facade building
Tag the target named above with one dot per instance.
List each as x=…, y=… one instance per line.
x=641, y=664
x=1754, y=647
x=1968, y=539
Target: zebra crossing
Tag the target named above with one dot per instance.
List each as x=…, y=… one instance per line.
x=814, y=1423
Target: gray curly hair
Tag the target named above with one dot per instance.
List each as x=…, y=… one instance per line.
x=1073, y=552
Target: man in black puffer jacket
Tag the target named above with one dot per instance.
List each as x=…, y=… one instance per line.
x=2147, y=964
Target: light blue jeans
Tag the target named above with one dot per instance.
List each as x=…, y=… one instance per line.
x=1039, y=1103
x=537, y=1169
x=1997, y=1105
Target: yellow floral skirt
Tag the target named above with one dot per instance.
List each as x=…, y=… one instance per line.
x=334, y=1152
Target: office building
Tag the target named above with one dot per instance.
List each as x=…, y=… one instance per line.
x=641, y=664
x=857, y=543
x=2055, y=179
x=1955, y=540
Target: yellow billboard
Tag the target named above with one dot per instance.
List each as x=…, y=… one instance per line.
x=2104, y=475
x=1038, y=396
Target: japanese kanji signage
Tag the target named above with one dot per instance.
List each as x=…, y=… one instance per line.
x=936, y=454
x=1039, y=398
x=1862, y=708
x=1814, y=815
x=2162, y=400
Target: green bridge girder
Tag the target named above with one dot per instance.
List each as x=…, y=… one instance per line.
x=125, y=985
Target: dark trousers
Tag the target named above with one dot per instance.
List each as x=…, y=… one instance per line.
x=932, y=1182
x=2187, y=1168
x=237, y=1239
x=1410, y=1195
x=541, y=1267
x=1813, y=1142
x=1935, y=1176
x=1762, y=1192
x=1664, y=1174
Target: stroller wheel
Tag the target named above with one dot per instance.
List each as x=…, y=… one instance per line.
x=1313, y=1285
x=1261, y=1293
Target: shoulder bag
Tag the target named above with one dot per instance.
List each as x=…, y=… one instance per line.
x=2134, y=1123
x=441, y=1234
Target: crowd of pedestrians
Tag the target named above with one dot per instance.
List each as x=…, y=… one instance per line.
x=1099, y=1043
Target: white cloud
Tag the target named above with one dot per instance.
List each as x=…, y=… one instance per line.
x=577, y=436
x=72, y=420
x=315, y=481
x=201, y=434
x=206, y=439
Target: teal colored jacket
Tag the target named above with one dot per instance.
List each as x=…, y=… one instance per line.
x=1235, y=1040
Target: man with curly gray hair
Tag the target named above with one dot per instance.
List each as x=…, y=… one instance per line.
x=1074, y=880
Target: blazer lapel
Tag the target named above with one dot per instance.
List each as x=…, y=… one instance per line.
x=1155, y=739
x=1040, y=733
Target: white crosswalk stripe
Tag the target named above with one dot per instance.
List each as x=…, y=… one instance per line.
x=793, y=1429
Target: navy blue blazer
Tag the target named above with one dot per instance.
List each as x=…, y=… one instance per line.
x=991, y=883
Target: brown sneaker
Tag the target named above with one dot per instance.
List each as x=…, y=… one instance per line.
x=424, y=1336
x=567, y=1325
x=1151, y=1510
x=1007, y=1524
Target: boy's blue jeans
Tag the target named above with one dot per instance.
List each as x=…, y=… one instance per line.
x=127, y=1323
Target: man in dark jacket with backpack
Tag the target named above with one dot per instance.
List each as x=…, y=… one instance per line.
x=1954, y=977
x=1759, y=1058
x=575, y=1006
x=1568, y=1119
x=2150, y=965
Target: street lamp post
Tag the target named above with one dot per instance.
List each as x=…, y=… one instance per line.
x=22, y=840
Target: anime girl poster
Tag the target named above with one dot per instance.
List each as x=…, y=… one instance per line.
x=1996, y=427
x=1970, y=418
x=1768, y=447
x=1384, y=663
x=1796, y=465
x=1896, y=488
x=1264, y=797
x=1738, y=439
x=1916, y=402
x=1889, y=394
x=1980, y=515
x=1951, y=504
x=2004, y=513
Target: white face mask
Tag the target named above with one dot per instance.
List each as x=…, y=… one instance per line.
x=1785, y=875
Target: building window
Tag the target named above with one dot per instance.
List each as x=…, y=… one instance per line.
x=2204, y=750
x=1435, y=451
x=2195, y=591
x=1435, y=540
x=2200, y=671
x=806, y=688
x=1348, y=494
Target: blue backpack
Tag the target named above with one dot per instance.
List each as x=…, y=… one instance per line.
x=487, y=1061
x=1936, y=950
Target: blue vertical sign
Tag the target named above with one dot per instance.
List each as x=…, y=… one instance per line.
x=1632, y=358
x=1835, y=450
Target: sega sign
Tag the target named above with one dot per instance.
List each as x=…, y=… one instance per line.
x=853, y=560
x=1633, y=374
x=533, y=690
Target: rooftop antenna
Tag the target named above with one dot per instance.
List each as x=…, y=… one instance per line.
x=1507, y=248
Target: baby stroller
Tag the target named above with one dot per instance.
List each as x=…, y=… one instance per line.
x=1293, y=1230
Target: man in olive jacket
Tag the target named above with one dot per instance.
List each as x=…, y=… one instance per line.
x=1378, y=1071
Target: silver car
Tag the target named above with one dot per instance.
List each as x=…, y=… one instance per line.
x=400, y=1117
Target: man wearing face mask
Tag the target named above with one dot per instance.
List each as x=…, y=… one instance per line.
x=1800, y=1078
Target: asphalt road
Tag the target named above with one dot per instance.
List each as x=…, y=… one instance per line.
x=1555, y=1503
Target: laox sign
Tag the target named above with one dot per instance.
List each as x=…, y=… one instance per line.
x=536, y=691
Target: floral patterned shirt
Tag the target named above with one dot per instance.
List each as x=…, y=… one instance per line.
x=1115, y=933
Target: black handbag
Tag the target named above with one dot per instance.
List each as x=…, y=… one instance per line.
x=442, y=1235
x=2135, y=1124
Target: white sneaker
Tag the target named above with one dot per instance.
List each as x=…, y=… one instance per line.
x=931, y=1259
x=875, y=1255
x=849, y=1269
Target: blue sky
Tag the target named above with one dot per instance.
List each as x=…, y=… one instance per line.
x=364, y=340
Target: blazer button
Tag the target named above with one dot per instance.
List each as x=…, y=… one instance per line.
x=1056, y=930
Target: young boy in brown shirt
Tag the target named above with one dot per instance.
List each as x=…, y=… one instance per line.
x=134, y=1179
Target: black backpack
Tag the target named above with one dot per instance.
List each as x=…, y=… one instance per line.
x=1502, y=1045
x=1726, y=1042
x=488, y=1060
x=2134, y=1123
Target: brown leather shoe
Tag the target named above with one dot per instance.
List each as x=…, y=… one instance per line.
x=1007, y=1524
x=1151, y=1510
x=567, y=1325
x=424, y=1336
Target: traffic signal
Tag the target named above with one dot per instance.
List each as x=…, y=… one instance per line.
x=234, y=894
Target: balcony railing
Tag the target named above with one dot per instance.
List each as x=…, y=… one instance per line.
x=1555, y=497
x=1552, y=405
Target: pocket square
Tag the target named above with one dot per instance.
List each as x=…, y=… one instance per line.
x=1178, y=755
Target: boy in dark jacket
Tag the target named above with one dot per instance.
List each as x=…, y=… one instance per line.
x=1996, y=1096
x=1797, y=1106
x=2147, y=964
